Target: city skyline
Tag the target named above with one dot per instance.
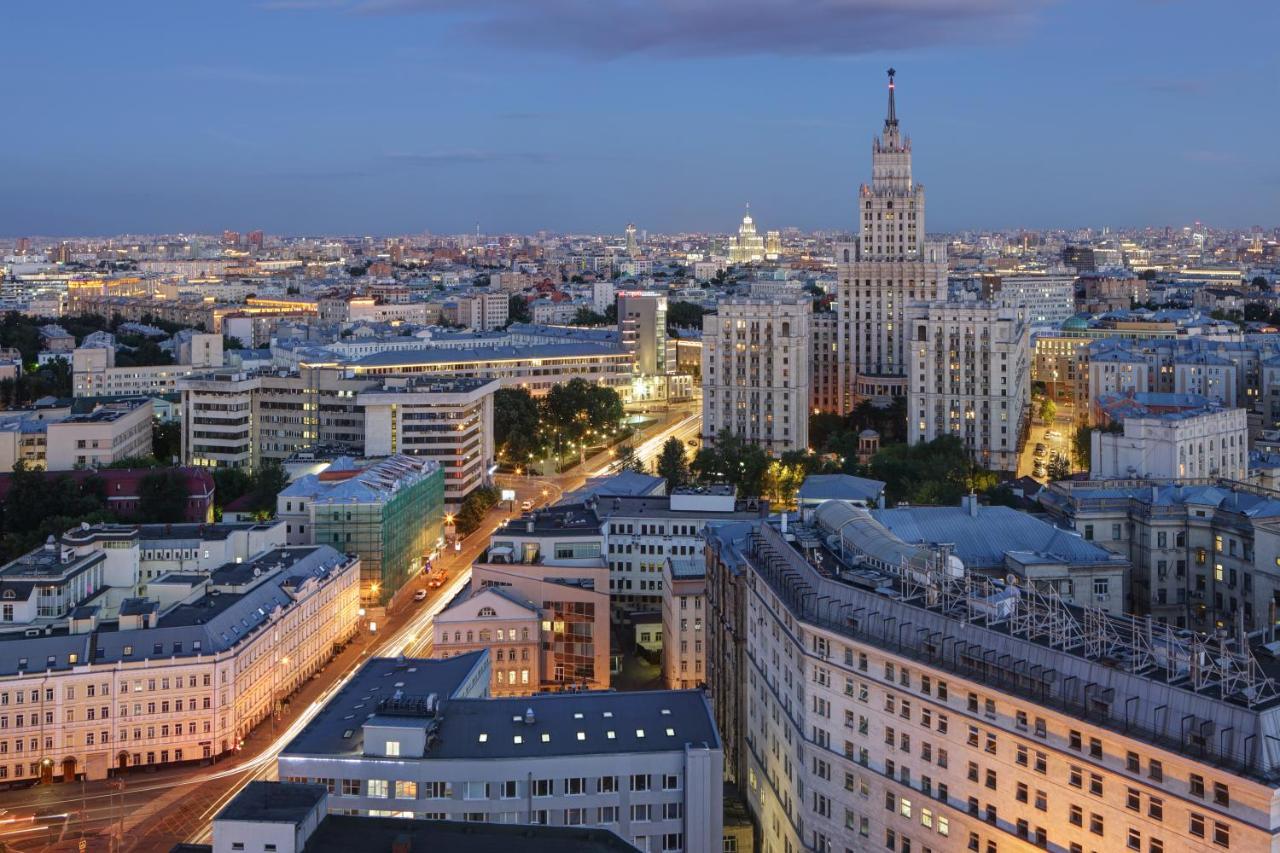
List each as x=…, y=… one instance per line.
x=332, y=117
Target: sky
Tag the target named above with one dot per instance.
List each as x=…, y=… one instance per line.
x=408, y=116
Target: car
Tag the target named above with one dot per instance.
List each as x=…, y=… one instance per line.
x=1040, y=450
x=525, y=506
x=693, y=442
x=1052, y=433
x=1038, y=471
x=420, y=595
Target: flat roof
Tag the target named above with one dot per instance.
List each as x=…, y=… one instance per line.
x=344, y=833
x=379, y=678
x=274, y=802
x=567, y=724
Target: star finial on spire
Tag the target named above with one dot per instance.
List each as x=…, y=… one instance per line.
x=891, y=120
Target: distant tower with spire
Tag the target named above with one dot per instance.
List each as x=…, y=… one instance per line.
x=748, y=246
x=889, y=266
x=633, y=247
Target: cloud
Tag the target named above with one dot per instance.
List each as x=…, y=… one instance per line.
x=235, y=74
x=604, y=29
x=1175, y=86
x=467, y=155
x=301, y=5
x=1209, y=155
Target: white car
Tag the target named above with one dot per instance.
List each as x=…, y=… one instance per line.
x=420, y=595
x=1053, y=433
x=525, y=506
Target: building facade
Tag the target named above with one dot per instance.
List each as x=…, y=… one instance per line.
x=756, y=376
x=646, y=765
x=1207, y=442
x=900, y=718
x=969, y=378
x=889, y=267
x=684, y=597
x=166, y=684
x=391, y=513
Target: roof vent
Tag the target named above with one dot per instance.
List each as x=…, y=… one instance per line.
x=528, y=716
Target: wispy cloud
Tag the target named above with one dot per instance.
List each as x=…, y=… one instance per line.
x=301, y=5
x=604, y=29
x=1176, y=86
x=236, y=74
x=468, y=155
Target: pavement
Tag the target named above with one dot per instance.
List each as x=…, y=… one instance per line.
x=1065, y=429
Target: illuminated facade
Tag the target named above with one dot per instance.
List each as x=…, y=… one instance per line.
x=888, y=267
x=748, y=246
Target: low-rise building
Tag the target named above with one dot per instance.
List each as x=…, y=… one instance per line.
x=645, y=765
x=295, y=817
x=110, y=433
x=504, y=623
x=1207, y=442
x=156, y=683
x=391, y=513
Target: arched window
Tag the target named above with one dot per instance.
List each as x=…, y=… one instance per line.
x=9, y=594
x=487, y=611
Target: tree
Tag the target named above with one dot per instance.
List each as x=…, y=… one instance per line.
x=586, y=317
x=518, y=309
x=1059, y=468
x=474, y=507
x=268, y=481
x=629, y=460
x=1260, y=282
x=685, y=314
x=732, y=460
x=516, y=424
x=577, y=408
x=672, y=464
x=1048, y=410
x=935, y=472
x=233, y=343
x=163, y=496
x=230, y=484
x=166, y=440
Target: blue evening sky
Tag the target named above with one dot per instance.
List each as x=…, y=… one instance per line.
x=400, y=116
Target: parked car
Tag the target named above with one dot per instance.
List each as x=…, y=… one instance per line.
x=1039, y=471
x=1040, y=450
x=525, y=506
x=1052, y=433
x=420, y=595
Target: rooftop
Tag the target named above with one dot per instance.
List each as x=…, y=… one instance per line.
x=840, y=487
x=336, y=729
x=375, y=484
x=273, y=802
x=451, y=355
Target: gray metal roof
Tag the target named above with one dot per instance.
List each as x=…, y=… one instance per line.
x=839, y=487
x=982, y=539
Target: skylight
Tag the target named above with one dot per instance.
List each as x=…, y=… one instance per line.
x=546, y=738
x=483, y=737
x=609, y=734
x=639, y=732
x=582, y=735
x=671, y=732
x=517, y=739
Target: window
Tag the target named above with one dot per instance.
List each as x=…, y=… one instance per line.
x=1134, y=841
x=378, y=788
x=1195, y=825
x=639, y=782
x=1221, y=795
x=1197, y=785
x=406, y=790
x=351, y=787
x=477, y=791
x=1221, y=834
x=1155, y=770
x=1155, y=808
x=1095, y=824
x=541, y=787
x=393, y=748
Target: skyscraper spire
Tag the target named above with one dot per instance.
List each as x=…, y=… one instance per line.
x=891, y=120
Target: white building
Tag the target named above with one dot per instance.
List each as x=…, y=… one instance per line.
x=94, y=372
x=428, y=744
x=969, y=377
x=450, y=421
x=642, y=323
x=755, y=372
x=887, y=268
x=484, y=310
x=109, y=433
x=1210, y=442
x=1042, y=298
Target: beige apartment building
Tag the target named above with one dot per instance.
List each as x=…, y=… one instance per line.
x=151, y=683
x=109, y=433
x=684, y=613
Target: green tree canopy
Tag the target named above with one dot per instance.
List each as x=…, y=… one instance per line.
x=672, y=464
x=516, y=424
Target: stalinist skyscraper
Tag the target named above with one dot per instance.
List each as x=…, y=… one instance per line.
x=889, y=266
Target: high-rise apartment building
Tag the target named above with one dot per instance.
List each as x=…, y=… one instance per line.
x=889, y=266
x=875, y=695
x=642, y=322
x=755, y=371
x=970, y=377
